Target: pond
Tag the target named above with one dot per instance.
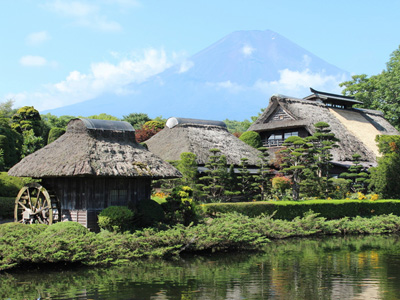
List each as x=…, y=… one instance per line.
x=364, y=267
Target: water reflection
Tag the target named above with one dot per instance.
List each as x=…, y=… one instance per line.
x=329, y=268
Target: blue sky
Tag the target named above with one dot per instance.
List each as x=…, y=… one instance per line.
x=56, y=52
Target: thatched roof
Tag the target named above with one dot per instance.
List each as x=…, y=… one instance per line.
x=355, y=128
x=198, y=137
x=94, y=148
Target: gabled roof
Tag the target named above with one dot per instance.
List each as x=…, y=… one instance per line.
x=355, y=128
x=199, y=138
x=94, y=148
x=332, y=98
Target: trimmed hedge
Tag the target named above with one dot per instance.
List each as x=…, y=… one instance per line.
x=288, y=210
x=7, y=207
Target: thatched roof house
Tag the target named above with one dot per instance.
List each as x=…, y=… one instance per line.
x=355, y=128
x=199, y=136
x=95, y=164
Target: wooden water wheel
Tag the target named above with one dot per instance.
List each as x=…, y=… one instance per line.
x=35, y=204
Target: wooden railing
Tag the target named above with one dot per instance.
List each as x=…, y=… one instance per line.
x=273, y=143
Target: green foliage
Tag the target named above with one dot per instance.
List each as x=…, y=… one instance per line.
x=280, y=184
x=237, y=126
x=357, y=175
x=54, y=134
x=251, y=138
x=7, y=207
x=157, y=125
x=384, y=178
x=339, y=188
x=6, y=110
x=69, y=242
x=136, y=119
x=27, y=118
x=263, y=178
x=53, y=121
x=216, y=175
x=31, y=143
x=246, y=182
x=10, y=185
x=295, y=161
x=10, y=143
x=148, y=213
x=188, y=168
x=115, y=218
x=180, y=208
x=381, y=91
x=104, y=116
x=288, y=210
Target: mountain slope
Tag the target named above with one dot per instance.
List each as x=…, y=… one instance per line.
x=233, y=78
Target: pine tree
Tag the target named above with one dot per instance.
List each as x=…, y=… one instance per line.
x=264, y=173
x=357, y=175
x=246, y=182
x=323, y=140
x=295, y=160
x=216, y=175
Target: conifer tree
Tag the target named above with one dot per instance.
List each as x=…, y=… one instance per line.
x=216, y=174
x=356, y=175
x=246, y=182
x=264, y=173
x=295, y=161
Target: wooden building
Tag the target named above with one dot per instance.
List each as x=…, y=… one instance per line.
x=199, y=136
x=355, y=128
x=95, y=164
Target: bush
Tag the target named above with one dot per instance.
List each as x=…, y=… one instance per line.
x=116, y=218
x=54, y=134
x=10, y=185
x=251, y=138
x=180, y=206
x=288, y=210
x=148, y=213
x=7, y=207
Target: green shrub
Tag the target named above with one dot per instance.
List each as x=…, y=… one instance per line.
x=7, y=207
x=115, y=218
x=148, y=213
x=251, y=138
x=288, y=210
x=63, y=242
x=10, y=185
x=180, y=206
x=54, y=134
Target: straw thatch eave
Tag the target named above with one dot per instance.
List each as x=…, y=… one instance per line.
x=308, y=112
x=169, y=143
x=86, y=152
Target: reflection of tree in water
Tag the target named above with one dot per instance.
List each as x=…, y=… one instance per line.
x=329, y=268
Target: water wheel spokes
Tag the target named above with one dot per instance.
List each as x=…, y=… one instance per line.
x=35, y=205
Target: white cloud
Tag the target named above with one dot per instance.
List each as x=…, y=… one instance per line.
x=84, y=14
x=37, y=38
x=102, y=77
x=247, y=50
x=297, y=83
x=185, y=66
x=33, y=61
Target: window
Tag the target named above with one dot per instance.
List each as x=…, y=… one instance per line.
x=118, y=197
x=288, y=134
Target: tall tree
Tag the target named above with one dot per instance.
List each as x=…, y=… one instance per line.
x=384, y=178
x=295, y=161
x=381, y=91
x=136, y=119
x=216, y=174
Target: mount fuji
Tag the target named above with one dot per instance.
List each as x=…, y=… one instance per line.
x=233, y=78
